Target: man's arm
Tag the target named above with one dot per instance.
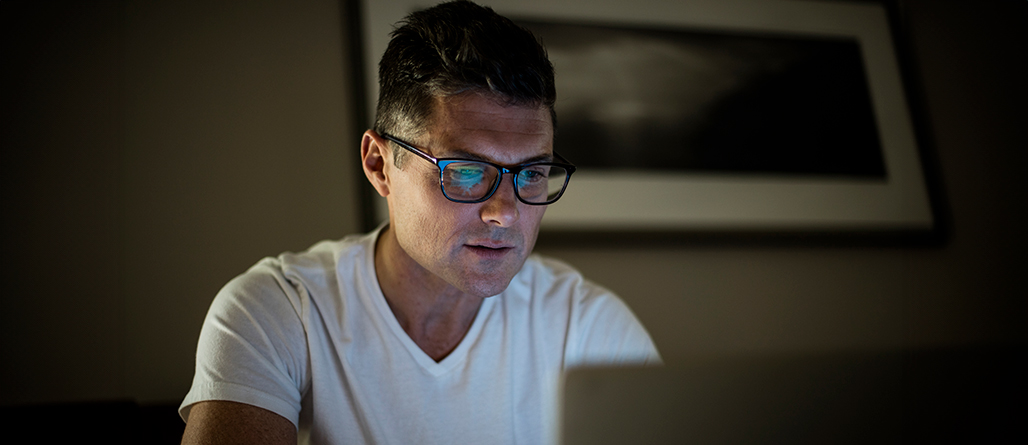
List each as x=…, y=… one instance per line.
x=221, y=422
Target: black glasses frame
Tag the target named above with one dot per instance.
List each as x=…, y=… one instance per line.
x=441, y=164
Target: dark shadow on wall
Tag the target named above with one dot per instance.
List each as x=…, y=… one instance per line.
x=108, y=422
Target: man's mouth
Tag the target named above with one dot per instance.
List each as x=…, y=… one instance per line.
x=498, y=248
x=490, y=250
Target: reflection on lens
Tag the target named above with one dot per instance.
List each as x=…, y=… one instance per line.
x=472, y=181
x=541, y=183
x=468, y=180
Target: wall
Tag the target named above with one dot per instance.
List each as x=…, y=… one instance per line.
x=155, y=150
x=735, y=300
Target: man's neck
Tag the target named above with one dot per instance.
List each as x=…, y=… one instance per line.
x=433, y=313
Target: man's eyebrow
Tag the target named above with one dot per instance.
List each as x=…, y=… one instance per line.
x=464, y=154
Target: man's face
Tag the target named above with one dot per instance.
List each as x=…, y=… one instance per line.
x=476, y=248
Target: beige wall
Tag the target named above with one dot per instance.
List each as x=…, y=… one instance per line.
x=155, y=150
x=180, y=143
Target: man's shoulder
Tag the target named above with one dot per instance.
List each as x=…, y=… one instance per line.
x=322, y=257
x=541, y=272
x=314, y=271
x=554, y=280
x=601, y=328
x=327, y=253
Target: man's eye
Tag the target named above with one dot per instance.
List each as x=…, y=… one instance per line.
x=468, y=171
x=533, y=174
x=464, y=179
x=466, y=175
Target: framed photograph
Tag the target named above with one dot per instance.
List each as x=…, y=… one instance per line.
x=719, y=116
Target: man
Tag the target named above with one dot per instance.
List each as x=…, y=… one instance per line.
x=438, y=327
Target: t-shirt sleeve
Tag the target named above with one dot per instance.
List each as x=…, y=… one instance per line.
x=601, y=329
x=606, y=332
x=252, y=346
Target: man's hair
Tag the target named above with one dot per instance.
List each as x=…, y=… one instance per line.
x=453, y=48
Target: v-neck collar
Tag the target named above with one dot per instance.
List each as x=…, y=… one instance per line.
x=377, y=297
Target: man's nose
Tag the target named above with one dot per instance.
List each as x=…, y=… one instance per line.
x=501, y=209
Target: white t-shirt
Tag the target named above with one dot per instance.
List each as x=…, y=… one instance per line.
x=310, y=337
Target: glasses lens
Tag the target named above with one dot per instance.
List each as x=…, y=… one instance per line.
x=541, y=183
x=468, y=181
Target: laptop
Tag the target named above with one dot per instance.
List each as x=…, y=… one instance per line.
x=829, y=398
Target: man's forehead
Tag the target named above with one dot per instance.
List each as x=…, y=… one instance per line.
x=466, y=123
x=476, y=110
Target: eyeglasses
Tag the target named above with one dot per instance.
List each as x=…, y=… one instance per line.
x=467, y=181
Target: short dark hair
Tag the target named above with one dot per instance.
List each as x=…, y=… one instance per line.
x=453, y=48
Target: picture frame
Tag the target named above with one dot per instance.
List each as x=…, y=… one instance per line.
x=713, y=204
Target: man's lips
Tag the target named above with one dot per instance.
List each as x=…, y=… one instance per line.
x=496, y=245
x=490, y=248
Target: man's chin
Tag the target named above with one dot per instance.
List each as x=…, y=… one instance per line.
x=488, y=278
x=486, y=286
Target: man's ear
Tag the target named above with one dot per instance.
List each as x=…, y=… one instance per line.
x=376, y=161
